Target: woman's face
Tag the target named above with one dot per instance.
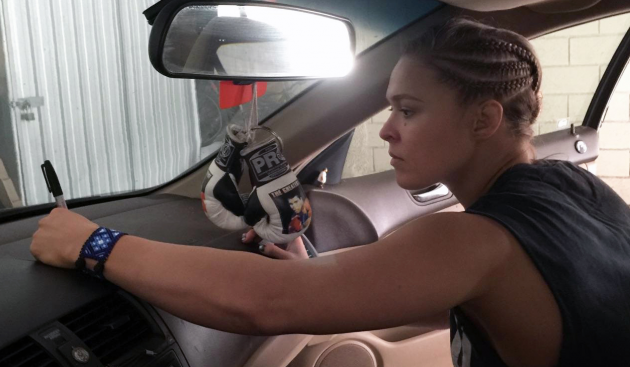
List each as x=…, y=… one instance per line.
x=427, y=131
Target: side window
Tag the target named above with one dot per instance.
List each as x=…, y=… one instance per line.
x=573, y=62
x=368, y=152
x=613, y=163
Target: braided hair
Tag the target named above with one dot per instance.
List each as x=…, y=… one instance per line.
x=481, y=61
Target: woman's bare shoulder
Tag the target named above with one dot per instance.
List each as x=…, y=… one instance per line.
x=459, y=230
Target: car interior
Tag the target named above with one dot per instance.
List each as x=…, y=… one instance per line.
x=47, y=312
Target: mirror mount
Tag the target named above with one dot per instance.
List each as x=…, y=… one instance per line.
x=152, y=12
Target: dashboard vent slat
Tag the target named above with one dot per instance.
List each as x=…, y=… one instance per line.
x=78, y=326
x=114, y=346
x=110, y=327
x=26, y=353
x=124, y=333
x=17, y=349
x=93, y=315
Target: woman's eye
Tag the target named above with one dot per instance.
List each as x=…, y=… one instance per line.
x=405, y=112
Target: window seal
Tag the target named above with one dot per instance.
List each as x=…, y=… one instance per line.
x=603, y=93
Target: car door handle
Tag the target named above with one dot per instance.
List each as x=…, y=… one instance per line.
x=431, y=193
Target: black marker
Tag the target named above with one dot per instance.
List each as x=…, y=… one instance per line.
x=52, y=181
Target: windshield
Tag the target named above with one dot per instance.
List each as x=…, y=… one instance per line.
x=78, y=90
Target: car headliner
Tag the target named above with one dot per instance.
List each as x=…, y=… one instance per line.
x=552, y=6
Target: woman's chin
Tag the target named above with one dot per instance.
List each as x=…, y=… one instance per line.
x=411, y=183
x=405, y=182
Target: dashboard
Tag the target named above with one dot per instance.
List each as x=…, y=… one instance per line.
x=56, y=317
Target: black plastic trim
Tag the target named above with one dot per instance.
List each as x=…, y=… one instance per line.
x=60, y=354
x=595, y=113
x=152, y=12
x=333, y=158
x=166, y=16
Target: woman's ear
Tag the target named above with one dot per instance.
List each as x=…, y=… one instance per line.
x=488, y=119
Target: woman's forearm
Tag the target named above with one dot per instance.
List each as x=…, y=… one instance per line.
x=224, y=290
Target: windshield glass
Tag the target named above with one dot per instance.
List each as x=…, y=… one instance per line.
x=78, y=90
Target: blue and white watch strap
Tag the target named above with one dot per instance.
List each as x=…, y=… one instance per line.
x=98, y=247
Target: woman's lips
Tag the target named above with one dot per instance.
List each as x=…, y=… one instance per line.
x=395, y=159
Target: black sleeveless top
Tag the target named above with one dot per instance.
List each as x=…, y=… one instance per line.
x=576, y=230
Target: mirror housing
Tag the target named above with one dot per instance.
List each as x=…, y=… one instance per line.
x=249, y=41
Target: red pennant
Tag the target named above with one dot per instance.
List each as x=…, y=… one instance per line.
x=231, y=95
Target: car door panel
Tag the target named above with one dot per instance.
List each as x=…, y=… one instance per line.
x=366, y=349
x=360, y=210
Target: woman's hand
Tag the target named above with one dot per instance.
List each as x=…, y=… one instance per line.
x=60, y=236
x=295, y=249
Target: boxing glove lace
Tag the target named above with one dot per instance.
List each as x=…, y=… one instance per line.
x=221, y=200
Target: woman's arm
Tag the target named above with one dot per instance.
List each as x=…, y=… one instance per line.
x=225, y=290
x=426, y=267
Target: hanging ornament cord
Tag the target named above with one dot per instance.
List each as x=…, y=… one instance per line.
x=253, y=115
x=252, y=124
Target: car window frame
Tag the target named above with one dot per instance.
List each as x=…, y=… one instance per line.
x=596, y=113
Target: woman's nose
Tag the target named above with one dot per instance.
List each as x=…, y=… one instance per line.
x=388, y=131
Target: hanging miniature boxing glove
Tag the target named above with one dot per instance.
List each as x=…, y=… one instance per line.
x=277, y=207
x=221, y=201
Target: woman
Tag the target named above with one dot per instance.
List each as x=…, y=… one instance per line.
x=533, y=272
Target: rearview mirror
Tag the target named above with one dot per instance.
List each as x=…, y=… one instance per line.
x=250, y=41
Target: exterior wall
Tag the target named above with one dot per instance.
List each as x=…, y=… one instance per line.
x=9, y=172
x=574, y=61
x=110, y=123
x=368, y=153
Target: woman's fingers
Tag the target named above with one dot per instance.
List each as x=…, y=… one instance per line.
x=295, y=249
x=276, y=252
x=60, y=236
x=250, y=236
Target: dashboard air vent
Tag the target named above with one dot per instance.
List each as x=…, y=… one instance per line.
x=110, y=327
x=25, y=353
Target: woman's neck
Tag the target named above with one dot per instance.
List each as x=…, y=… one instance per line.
x=479, y=174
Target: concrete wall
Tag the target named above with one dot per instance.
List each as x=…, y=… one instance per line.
x=573, y=61
x=368, y=153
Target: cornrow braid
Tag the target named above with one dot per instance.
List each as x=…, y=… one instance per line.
x=479, y=87
x=494, y=65
x=520, y=52
x=517, y=69
x=481, y=61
